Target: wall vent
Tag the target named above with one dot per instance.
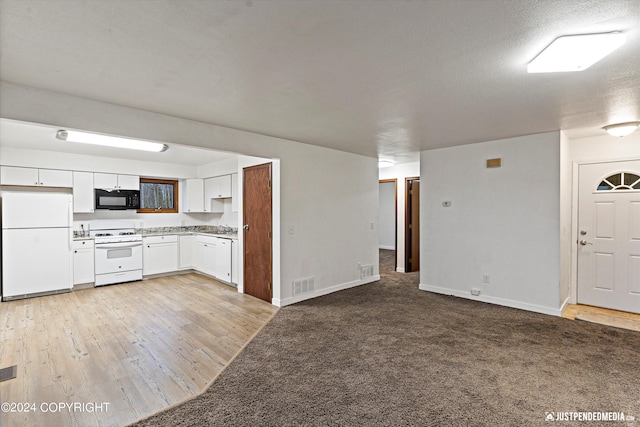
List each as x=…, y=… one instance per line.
x=366, y=271
x=304, y=285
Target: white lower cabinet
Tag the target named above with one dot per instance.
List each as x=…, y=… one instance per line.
x=83, y=262
x=187, y=252
x=205, y=256
x=223, y=260
x=234, y=261
x=159, y=254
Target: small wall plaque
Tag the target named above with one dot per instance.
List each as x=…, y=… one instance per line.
x=494, y=163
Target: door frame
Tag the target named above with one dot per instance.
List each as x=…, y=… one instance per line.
x=407, y=215
x=395, y=212
x=575, y=182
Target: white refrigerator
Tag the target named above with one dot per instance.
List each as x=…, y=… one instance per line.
x=36, y=243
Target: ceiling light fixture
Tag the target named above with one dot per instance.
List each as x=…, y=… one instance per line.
x=385, y=163
x=110, y=141
x=576, y=52
x=622, y=129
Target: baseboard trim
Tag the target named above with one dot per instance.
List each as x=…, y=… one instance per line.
x=564, y=305
x=324, y=291
x=390, y=248
x=492, y=300
x=400, y=269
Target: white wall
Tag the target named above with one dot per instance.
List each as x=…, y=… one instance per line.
x=387, y=216
x=503, y=222
x=605, y=148
x=400, y=172
x=329, y=197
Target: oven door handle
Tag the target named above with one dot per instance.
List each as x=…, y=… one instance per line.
x=117, y=245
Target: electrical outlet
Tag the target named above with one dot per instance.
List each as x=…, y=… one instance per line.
x=475, y=291
x=486, y=278
x=372, y=225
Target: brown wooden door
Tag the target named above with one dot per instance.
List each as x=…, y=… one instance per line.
x=412, y=225
x=256, y=201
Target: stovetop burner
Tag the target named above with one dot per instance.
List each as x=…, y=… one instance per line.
x=114, y=232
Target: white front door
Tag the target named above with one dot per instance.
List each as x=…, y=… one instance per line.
x=609, y=235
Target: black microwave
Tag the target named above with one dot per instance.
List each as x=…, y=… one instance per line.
x=117, y=199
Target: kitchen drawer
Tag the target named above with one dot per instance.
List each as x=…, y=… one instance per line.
x=168, y=238
x=211, y=240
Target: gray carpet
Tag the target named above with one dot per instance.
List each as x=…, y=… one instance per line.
x=387, y=354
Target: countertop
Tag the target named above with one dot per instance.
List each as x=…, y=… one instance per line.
x=169, y=233
x=187, y=233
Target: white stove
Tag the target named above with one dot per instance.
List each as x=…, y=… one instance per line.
x=118, y=252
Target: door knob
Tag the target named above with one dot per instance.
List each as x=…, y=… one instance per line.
x=584, y=242
x=246, y=226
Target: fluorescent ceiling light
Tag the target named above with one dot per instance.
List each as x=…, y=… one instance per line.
x=576, y=52
x=110, y=141
x=622, y=129
x=385, y=163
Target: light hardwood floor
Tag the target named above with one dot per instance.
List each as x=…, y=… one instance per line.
x=605, y=316
x=140, y=347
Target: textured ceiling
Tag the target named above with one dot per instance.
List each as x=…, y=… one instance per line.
x=379, y=78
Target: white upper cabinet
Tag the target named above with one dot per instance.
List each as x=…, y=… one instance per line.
x=193, y=195
x=108, y=181
x=221, y=187
x=55, y=178
x=234, y=193
x=128, y=182
x=10, y=175
x=211, y=205
x=83, y=194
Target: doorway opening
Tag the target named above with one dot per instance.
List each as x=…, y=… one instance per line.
x=412, y=225
x=388, y=225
